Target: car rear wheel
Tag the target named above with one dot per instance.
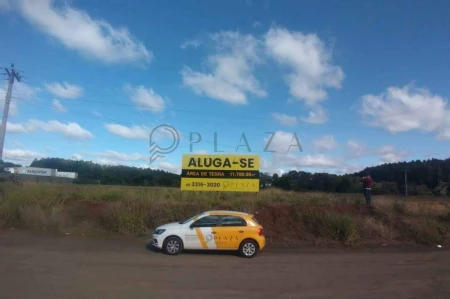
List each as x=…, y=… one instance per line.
x=248, y=248
x=173, y=246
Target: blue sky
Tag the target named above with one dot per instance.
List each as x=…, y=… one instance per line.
x=359, y=83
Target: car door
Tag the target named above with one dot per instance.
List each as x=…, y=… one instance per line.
x=231, y=232
x=200, y=235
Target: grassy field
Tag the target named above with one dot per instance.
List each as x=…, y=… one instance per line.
x=289, y=218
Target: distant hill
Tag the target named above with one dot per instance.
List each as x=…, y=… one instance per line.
x=427, y=177
x=427, y=173
x=110, y=175
x=424, y=178
x=8, y=164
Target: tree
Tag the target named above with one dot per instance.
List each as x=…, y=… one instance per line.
x=432, y=175
x=111, y=175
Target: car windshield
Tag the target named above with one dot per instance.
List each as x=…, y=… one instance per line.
x=186, y=221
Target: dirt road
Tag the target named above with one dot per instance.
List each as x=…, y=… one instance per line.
x=36, y=266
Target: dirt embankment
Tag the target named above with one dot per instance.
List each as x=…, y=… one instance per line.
x=292, y=225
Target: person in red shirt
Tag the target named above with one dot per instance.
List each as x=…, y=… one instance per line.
x=367, y=187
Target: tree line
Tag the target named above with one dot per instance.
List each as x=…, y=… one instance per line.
x=93, y=173
x=426, y=177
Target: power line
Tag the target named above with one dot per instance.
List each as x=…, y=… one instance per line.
x=231, y=115
x=83, y=114
x=12, y=75
x=185, y=133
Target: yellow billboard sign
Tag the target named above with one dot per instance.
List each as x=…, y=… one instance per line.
x=239, y=173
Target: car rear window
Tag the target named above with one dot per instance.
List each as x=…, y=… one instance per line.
x=256, y=221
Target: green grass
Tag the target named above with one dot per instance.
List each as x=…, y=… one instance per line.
x=289, y=218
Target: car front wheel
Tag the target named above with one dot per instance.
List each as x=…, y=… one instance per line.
x=173, y=246
x=248, y=248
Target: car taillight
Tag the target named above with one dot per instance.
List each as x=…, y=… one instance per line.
x=260, y=231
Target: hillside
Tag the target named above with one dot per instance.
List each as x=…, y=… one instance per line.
x=111, y=175
x=425, y=177
x=4, y=164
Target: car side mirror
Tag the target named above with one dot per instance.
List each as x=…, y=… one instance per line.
x=191, y=226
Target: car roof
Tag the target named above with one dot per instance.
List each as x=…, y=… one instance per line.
x=228, y=212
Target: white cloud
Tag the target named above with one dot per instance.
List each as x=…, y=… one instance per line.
x=324, y=144
x=105, y=161
x=65, y=90
x=444, y=134
x=386, y=153
x=317, y=115
x=283, y=142
x=57, y=106
x=76, y=30
x=13, y=108
x=200, y=152
x=311, y=161
x=15, y=128
x=389, y=154
x=163, y=165
x=167, y=166
x=191, y=43
x=323, y=163
x=77, y=156
x=309, y=61
x=256, y=24
x=267, y=166
x=111, y=157
x=22, y=156
x=407, y=108
x=264, y=164
x=21, y=92
x=283, y=161
x=139, y=132
x=349, y=168
x=285, y=119
x=231, y=77
x=357, y=149
x=145, y=98
x=70, y=130
x=133, y=132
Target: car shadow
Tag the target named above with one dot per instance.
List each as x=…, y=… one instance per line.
x=154, y=249
x=211, y=252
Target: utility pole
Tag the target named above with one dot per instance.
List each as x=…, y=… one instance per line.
x=12, y=74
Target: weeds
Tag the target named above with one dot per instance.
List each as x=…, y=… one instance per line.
x=289, y=217
x=334, y=227
x=426, y=231
x=399, y=207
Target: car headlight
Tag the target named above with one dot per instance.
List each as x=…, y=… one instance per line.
x=159, y=231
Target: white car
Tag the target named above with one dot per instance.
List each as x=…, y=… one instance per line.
x=212, y=230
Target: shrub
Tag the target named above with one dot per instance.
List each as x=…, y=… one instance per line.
x=426, y=231
x=288, y=217
x=334, y=227
x=399, y=207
